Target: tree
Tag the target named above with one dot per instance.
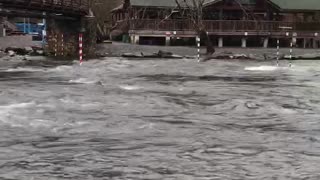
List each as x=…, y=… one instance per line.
x=193, y=10
x=101, y=10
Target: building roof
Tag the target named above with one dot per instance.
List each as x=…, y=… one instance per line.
x=297, y=5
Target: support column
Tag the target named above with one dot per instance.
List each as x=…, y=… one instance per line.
x=244, y=42
x=294, y=41
x=304, y=43
x=168, y=39
x=266, y=42
x=136, y=39
x=132, y=39
x=314, y=43
x=2, y=29
x=220, y=43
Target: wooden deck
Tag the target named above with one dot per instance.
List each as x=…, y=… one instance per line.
x=228, y=27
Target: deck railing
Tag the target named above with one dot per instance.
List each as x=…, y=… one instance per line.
x=224, y=25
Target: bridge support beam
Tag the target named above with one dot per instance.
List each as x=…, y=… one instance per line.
x=314, y=43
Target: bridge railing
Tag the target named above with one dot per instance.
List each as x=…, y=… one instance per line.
x=53, y=5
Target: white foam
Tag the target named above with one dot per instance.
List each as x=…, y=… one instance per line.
x=21, y=69
x=82, y=81
x=18, y=105
x=265, y=68
x=129, y=88
x=62, y=68
x=7, y=111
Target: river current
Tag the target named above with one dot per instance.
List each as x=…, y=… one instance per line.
x=123, y=119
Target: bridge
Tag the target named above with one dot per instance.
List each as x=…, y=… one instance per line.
x=66, y=19
x=34, y=8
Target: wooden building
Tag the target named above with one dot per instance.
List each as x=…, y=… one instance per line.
x=228, y=22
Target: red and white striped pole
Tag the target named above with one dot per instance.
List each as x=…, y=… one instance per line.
x=80, y=48
x=62, y=45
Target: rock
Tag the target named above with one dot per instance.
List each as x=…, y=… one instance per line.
x=40, y=52
x=132, y=55
x=28, y=49
x=190, y=57
x=102, y=55
x=11, y=53
x=160, y=54
x=175, y=56
x=36, y=48
x=314, y=56
x=240, y=56
x=18, y=51
x=164, y=54
x=148, y=55
x=252, y=105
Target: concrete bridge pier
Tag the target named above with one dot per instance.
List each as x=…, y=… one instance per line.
x=63, y=37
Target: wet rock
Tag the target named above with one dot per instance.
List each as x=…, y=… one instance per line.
x=227, y=56
x=252, y=105
x=160, y=54
x=40, y=52
x=18, y=51
x=164, y=54
x=28, y=49
x=240, y=56
x=175, y=56
x=11, y=53
x=132, y=55
x=150, y=55
x=311, y=56
x=102, y=55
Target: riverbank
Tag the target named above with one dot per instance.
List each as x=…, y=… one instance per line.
x=117, y=49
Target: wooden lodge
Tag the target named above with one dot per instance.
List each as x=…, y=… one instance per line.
x=227, y=22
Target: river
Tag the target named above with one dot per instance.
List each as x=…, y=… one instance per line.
x=126, y=119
